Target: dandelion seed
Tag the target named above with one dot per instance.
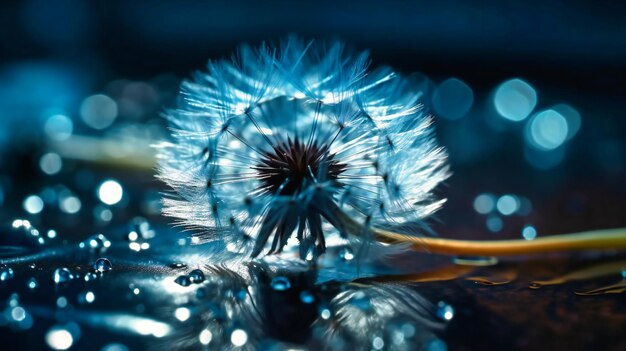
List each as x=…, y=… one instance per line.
x=290, y=142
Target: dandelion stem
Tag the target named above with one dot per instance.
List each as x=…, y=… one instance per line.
x=603, y=239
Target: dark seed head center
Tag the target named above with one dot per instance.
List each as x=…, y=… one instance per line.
x=290, y=165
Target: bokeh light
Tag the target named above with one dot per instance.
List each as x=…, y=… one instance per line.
x=515, y=99
x=110, y=192
x=33, y=204
x=50, y=163
x=59, y=338
x=452, y=99
x=98, y=111
x=59, y=127
x=547, y=130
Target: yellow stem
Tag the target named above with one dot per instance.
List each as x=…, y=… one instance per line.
x=604, y=239
x=607, y=239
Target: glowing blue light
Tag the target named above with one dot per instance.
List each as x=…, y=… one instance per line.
x=484, y=203
x=452, y=99
x=494, y=224
x=515, y=99
x=239, y=337
x=98, y=111
x=33, y=204
x=50, y=163
x=508, y=204
x=59, y=338
x=110, y=192
x=529, y=232
x=547, y=130
x=572, y=116
x=59, y=127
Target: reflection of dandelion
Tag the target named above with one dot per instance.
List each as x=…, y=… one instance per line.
x=294, y=141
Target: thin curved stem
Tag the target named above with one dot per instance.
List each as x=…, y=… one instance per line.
x=604, y=239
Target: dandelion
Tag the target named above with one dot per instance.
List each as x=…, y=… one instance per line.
x=300, y=141
x=305, y=141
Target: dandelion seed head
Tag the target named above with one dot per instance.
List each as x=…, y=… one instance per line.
x=288, y=142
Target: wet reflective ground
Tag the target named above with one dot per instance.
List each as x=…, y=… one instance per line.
x=106, y=293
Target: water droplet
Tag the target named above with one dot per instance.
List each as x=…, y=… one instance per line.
x=196, y=276
x=346, y=254
x=6, y=273
x=177, y=265
x=445, y=311
x=307, y=297
x=325, y=313
x=183, y=280
x=32, y=283
x=102, y=265
x=280, y=284
x=62, y=275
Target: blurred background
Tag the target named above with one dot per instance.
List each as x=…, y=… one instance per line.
x=528, y=98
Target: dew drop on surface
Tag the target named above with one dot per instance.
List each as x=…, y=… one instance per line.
x=239, y=337
x=183, y=280
x=102, y=265
x=177, y=265
x=307, y=297
x=32, y=283
x=61, y=275
x=445, y=311
x=59, y=338
x=346, y=254
x=6, y=273
x=196, y=276
x=280, y=284
x=325, y=313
